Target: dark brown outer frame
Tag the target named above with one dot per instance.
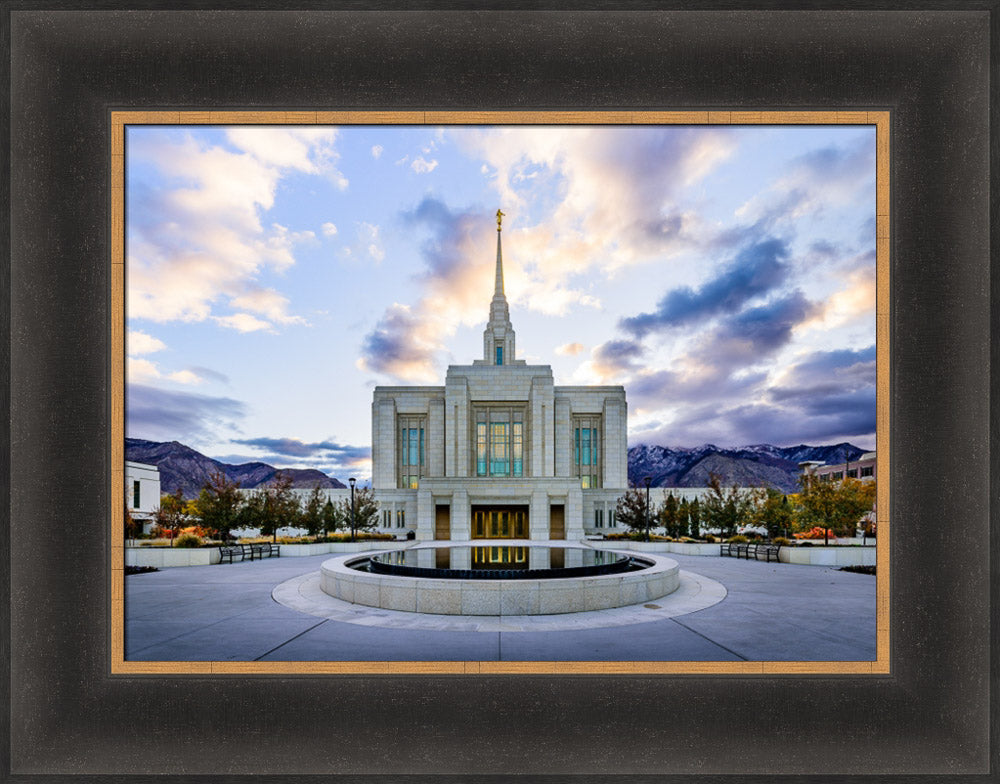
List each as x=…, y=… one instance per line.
x=69, y=68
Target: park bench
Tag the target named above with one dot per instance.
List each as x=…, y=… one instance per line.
x=228, y=551
x=750, y=550
x=262, y=549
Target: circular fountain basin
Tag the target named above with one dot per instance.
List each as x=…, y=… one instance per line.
x=499, y=578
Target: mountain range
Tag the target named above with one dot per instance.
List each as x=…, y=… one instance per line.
x=181, y=466
x=760, y=464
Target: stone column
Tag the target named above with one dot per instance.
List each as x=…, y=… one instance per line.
x=563, y=439
x=538, y=515
x=435, y=438
x=539, y=558
x=574, y=514
x=425, y=515
x=461, y=518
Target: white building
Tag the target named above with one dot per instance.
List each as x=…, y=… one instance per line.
x=142, y=490
x=499, y=451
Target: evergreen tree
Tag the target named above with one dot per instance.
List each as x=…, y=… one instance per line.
x=694, y=516
x=311, y=517
x=683, y=517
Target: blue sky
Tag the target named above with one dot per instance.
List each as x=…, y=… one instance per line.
x=724, y=275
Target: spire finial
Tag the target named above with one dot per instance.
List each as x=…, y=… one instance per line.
x=499, y=218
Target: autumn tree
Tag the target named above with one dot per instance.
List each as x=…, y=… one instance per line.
x=219, y=504
x=774, y=513
x=365, y=513
x=173, y=513
x=834, y=506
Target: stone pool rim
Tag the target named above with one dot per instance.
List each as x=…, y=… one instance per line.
x=546, y=596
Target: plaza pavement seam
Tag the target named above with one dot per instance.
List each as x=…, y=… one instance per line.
x=182, y=634
x=710, y=640
x=290, y=639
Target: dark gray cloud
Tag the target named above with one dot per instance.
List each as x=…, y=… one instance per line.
x=394, y=346
x=451, y=232
x=617, y=356
x=755, y=271
x=161, y=415
x=827, y=396
x=293, y=447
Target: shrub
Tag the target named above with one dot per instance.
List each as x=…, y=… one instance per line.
x=710, y=539
x=188, y=540
x=816, y=532
x=688, y=540
x=782, y=541
x=738, y=539
x=805, y=544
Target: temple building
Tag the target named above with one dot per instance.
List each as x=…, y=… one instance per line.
x=499, y=451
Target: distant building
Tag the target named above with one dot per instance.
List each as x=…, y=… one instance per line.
x=863, y=468
x=142, y=491
x=499, y=451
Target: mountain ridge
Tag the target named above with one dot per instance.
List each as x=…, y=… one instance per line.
x=183, y=467
x=755, y=464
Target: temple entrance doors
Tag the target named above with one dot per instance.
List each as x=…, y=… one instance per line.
x=442, y=522
x=557, y=521
x=500, y=522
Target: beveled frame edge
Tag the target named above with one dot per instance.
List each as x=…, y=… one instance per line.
x=118, y=119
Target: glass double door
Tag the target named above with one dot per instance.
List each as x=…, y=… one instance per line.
x=500, y=523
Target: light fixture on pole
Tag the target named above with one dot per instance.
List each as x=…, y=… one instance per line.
x=646, y=480
x=352, y=481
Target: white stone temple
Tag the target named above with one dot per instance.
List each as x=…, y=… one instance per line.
x=499, y=451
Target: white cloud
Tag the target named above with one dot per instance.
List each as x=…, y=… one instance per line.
x=242, y=322
x=142, y=371
x=422, y=166
x=140, y=343
x=328, y=229
x=377, y=150
x=197, y=241
x=569, y=349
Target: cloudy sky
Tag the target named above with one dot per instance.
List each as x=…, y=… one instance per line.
x=724, y=275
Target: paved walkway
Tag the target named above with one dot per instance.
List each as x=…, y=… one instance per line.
x=770, y=612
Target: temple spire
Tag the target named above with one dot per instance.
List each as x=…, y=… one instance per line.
x=498, y=339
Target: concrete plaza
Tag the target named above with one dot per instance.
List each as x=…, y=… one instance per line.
x=770, y=612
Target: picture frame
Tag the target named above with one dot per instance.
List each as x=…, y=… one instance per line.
x=69, y=716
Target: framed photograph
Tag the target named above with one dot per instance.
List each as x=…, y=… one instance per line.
x=87, y=84
x=665, y=270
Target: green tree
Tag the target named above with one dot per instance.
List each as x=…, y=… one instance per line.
x=630, y=510
x=365, y=515
x=333, y=517
x=683, y=517
x=727, y=508
x=173, y=513
x=834, y=506
x=694, y=518
x=667, y=515
x=219, y=504
x=774, y=513
x=281, y=507
x=311, y=517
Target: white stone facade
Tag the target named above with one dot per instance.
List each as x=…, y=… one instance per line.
x=499, y=437
x=142, y=489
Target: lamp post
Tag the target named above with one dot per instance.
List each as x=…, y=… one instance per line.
x=351, y=481
x=646, y=480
